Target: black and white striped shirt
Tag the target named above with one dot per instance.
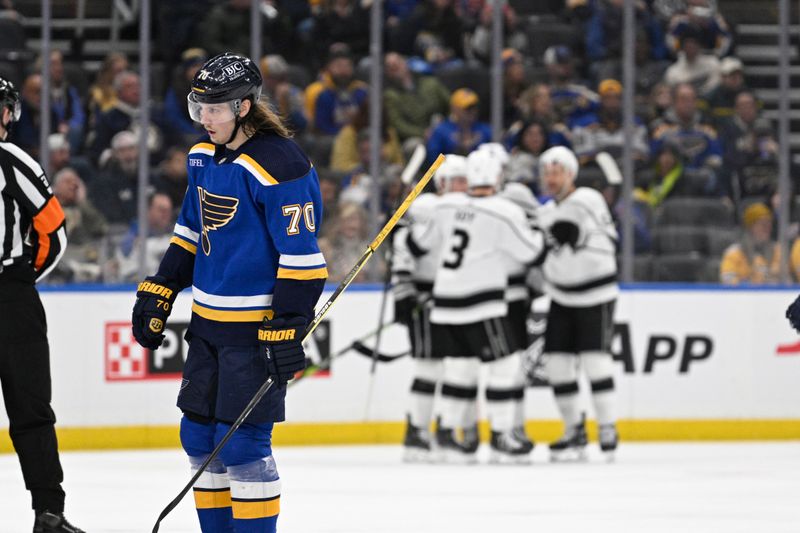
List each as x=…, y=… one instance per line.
x=31, y=220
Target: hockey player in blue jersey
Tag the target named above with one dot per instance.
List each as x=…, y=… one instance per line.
x=246, y=242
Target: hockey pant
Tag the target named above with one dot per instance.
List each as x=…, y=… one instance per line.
x=240, y=490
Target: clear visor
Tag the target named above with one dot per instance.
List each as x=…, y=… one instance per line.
x=211, y=113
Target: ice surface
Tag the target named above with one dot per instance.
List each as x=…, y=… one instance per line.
x=703, y=488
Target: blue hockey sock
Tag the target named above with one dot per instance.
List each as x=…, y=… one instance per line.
x=212, y=494
x=254, y=481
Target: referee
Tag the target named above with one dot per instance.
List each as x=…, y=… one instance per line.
x=33, y=239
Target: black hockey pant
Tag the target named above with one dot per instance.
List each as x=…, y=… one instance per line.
x=25, y=380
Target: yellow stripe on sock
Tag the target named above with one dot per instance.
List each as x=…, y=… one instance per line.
x=244, y=509
x=212, y=499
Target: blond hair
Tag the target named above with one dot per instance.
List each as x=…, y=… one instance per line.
x=262, y=119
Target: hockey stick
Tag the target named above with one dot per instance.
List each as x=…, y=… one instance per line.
x=356, y=346
x=414, y=162
x=387, y=228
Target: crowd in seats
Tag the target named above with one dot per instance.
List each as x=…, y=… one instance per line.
x=701, y=143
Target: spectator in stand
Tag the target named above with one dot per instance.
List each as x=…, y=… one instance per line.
x=751, y=150
x=172, y=176
x=343, y=21
x=514, y=37
x=25, y=132
x=571, y=100
x=398, y=12
x=412, y=102
x=523, y=165
x=86, y=228
x=434, y=32
x=346, y=153
x=102, y=94
x=604, y=34
x=461, y=133
x=602, y=130
x=693, y=66
x=160, y=223
x=175, y=109
x=682, y=124
x=329, y=192
x=60, y=157
x=536, y=105
x=714, y=34
x=663, y=178
x=719, y=103
x=747, y=136
x=347, y=243
x=124, y=115
x=514, y=86
x=66, y=103
x=358, y=185
x=116, y=190
x=284, y=98
x=756, y=259
x=332, y=101
x=658, y=103
x=226, y=27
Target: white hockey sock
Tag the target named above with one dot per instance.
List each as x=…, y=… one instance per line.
x=459, y=389
x=562, y=372
x=505, y=376
x=427, y=373
x=599, y=368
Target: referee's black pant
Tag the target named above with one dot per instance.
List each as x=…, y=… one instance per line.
x=25, y=379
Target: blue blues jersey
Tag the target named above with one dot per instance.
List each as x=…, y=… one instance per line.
x=249, y=221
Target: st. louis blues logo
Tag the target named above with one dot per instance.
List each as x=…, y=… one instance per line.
x=216, y=211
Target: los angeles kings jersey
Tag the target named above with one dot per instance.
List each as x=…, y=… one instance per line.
x=586, y=274
x=481, y=240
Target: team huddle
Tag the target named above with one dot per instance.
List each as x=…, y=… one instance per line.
x=466, y=267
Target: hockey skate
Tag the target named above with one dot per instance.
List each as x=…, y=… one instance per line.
x=507, y=448
x=571, y=447
x=47, y=522
x=609, y=439
x=416, y=445
x=520, y=434
x=453, y=452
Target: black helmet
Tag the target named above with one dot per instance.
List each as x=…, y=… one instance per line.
x=9, y=97
x=226, y=77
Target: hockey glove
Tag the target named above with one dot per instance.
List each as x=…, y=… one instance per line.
x=283, y=347
x=154, y=299
x=565, y=232
x=793, y=314
x=404, y=309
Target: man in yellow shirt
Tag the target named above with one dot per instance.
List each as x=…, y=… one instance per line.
x=756, y=258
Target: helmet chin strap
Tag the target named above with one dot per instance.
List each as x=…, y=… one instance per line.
x=238, y=121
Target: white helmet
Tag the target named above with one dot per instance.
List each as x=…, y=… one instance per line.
x=497, y=150
x=454, y=166
x=483, y=169
x=559, y=155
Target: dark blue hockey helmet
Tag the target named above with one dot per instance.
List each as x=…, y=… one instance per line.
x=227, y=77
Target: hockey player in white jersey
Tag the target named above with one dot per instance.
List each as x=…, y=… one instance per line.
x=581, y=278
x=482, y=238
x=412, y=283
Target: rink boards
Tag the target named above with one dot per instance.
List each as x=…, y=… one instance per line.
x=693, y=363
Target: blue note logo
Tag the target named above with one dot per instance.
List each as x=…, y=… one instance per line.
x=216, y=211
